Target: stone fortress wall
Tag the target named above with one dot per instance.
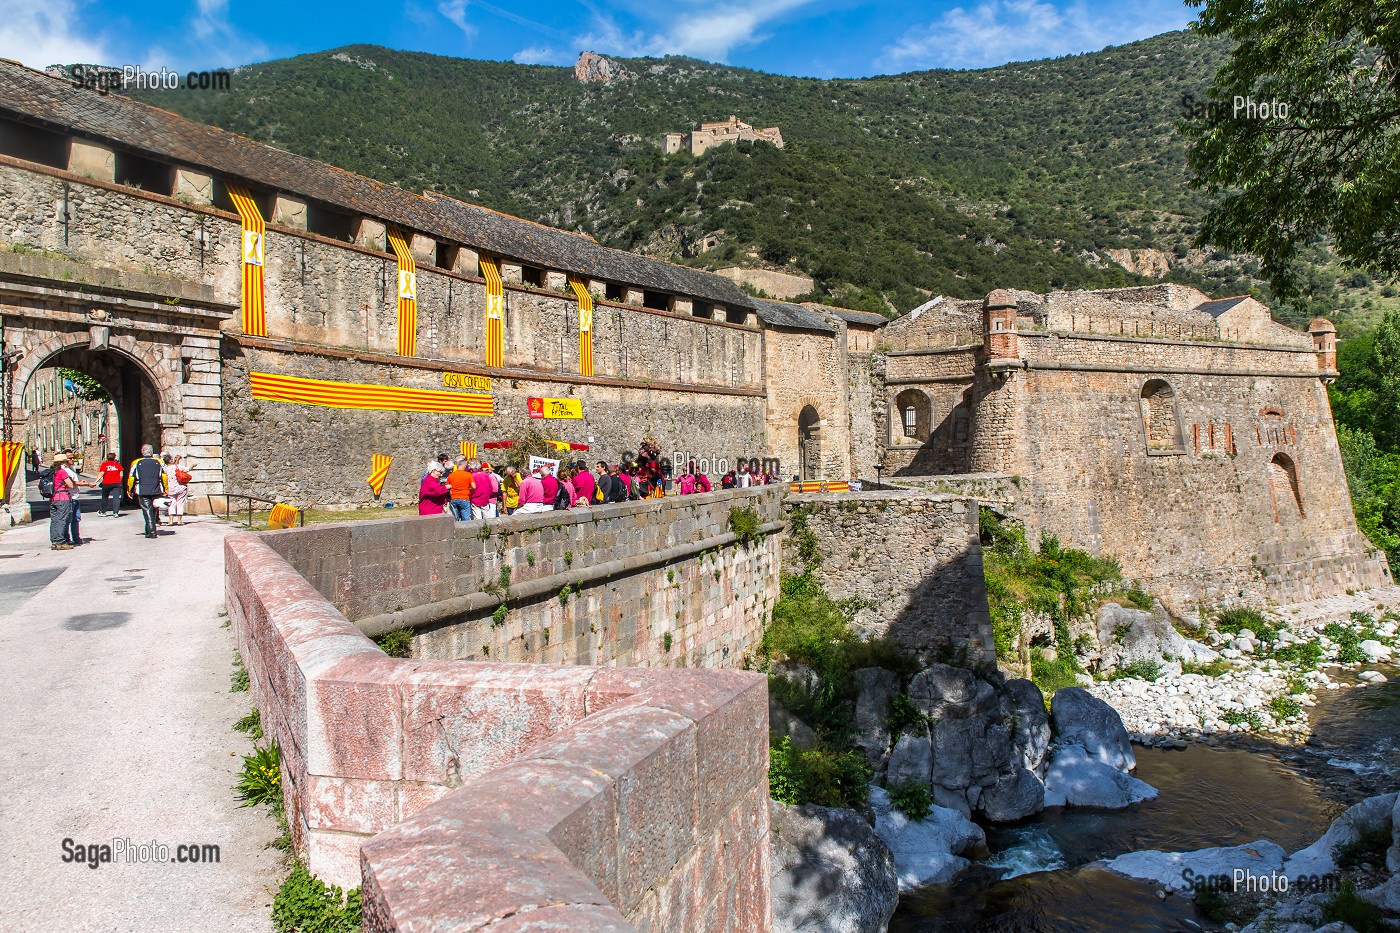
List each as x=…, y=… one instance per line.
x=719, y=133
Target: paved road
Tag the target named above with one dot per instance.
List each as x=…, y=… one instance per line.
x=115, y=722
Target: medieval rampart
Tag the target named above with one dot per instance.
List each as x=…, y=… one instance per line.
x=657, y=583
x=911, y=560
x=476, y=795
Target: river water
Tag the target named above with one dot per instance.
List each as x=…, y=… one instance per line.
x=1037, y=878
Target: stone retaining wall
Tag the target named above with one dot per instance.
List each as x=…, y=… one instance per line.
x=914, y=561
x=521, y=796
x=657, y=583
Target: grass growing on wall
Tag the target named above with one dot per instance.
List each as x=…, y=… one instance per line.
x=1059, y=582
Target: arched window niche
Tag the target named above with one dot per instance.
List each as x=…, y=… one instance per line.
x=911, y=418
x=1161, y=425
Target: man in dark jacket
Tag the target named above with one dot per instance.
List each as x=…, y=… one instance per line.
x=604, y=482
x=146, y=481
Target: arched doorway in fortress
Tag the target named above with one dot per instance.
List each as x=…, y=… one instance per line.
x=809, y=443
x=161, y=369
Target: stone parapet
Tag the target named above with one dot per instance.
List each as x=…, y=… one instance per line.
x=518, y=795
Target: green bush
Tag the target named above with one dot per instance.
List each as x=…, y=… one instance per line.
x=745, y=523
x=1052, y=674
x=1236, y=618
x=1285, y=707
x=1249, y=717
x=261, y=778
x=1368, y=848
x=306, y=904
x=1136, y=598
x=912, y=798
x=1308, y=654
x=1348, y=643
x=251, y=725
x=1207, y=668
x=819, y=775
x=905, y=715
x=1142, y=669
x=1352, y=909
x=397, y=643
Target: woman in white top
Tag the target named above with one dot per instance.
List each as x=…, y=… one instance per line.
x=174, y=489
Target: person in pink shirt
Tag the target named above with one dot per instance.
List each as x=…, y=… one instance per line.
x=550, y=482
x=686, y=484
x=432, y=494
x=532, y=494
x=583, y=481
x=483, y=492
x=702, y=482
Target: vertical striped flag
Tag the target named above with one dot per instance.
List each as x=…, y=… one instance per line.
x=585, y=327
x=408, y=295
x=495, y=313
x=379, y=471
x=11, y=460
x=469, y=450
x=254, y=313
x=282, y=516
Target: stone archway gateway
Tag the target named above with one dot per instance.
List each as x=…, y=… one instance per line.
x=151, y=341
x=809, y=441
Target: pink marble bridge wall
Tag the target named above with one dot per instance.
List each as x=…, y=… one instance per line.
x=490, y=796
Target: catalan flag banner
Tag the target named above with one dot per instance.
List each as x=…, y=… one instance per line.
x=326, y=394
x=408, y=295
x=820, y=486
x=469, y=450
x=585, y=327
x=283, y=516
x=495, y=313
x=254, y=313
x=378, y=472
x=11, y=465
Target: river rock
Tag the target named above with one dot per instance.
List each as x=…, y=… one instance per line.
x=1024, y=705
x=927, y=851
x=831, y=872
x=876, y=689
x=1371, y=814
x=1143, y=636
x=1179, y=871
x=1083, y=719
x=1372, y=677
x=1076, y=780
x=911, y=760
x=1374, y=650
x=945, y=692
x=1392, y=857
x=784, y=724
x=1386, y=896
x=1014, y=796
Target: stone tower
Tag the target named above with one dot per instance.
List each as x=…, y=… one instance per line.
x=999, y=326
x=1324, y=337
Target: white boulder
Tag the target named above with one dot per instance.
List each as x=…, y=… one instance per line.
x=1074, y=779
x=1375, y=651
x=1181, y=871
x=1373, y=813
x=926, y=851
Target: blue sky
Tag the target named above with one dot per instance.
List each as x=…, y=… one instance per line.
x=821, y=38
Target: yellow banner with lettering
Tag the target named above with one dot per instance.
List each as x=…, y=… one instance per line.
x=555, y=408
x=408, y=295
x=467, y=381
x=585, y=327
x=254, y=233
x=495, y=313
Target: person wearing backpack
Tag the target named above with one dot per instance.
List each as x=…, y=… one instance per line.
x=146, y=480
x=61, y=491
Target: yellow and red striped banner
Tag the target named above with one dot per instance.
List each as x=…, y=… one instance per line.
x=254, y=312
x=469, y=450
x=408, y=296
x=284, y=516
x=585, y=327
x=301, y=391
x=820, y=486
x=11, y=460
x=378, y=472
x=495, y=313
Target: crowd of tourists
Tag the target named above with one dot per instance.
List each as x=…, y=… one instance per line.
x=159, y=485
x=472, y=489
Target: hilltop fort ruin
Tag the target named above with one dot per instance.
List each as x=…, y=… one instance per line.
x=721, y=133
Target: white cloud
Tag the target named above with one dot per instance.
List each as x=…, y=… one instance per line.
x=998, y=31
x=456, y=13
x=218, y=43
x=537, y=55
x=706, y=31
x=40, y=34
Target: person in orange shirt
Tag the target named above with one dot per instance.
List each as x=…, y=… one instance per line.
x=459, y=483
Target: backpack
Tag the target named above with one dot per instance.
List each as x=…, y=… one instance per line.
x=561, y=498
x=182, y=477
x=46, y=482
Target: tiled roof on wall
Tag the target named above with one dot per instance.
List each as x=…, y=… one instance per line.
x=786, y=314
x=1220, y=305
x=58, y=104
x=851, y=316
